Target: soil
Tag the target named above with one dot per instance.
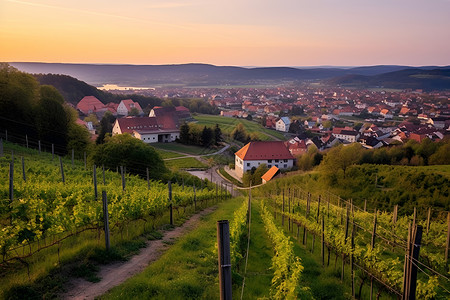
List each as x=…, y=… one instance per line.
x=115, y=274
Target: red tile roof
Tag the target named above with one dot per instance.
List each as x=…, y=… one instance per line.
x=130, y=124
x=264, y=150
x=270, y=174
x=90, y=104
x=129, y=104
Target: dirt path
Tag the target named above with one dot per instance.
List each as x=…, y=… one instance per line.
x=115, y=274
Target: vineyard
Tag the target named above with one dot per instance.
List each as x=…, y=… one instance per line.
x=373, y=245
x=51, y=208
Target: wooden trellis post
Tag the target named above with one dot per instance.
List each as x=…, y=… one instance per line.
x=23, y=170
x=106, y=220
x=170, y=203
x=62, y=170
x=95, y=182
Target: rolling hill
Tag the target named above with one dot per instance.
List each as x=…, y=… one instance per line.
x=389, y=76
x=435, y=79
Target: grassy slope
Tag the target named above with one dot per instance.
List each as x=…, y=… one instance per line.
x=188, y=270
x=184, y=163
x=189, y=149
x=403, y=185
x=259, y=275
x=228, y=124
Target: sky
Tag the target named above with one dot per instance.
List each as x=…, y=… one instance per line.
x=227, y=32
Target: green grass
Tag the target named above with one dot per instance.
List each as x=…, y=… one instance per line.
x=188, y=270
x=167, y=154
x=228, y=124
x=184, y=163
x=188, y=149
x=259, y=274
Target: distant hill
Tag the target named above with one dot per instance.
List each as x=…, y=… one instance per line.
x=206, y=75
x=435, y=79
x=73, y=90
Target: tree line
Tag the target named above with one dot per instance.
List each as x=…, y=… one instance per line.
x=193, y=134
x=38, y=112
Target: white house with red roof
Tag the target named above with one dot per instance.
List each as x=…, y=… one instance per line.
x=272, y=153
x=346, y=133
x=125, y=107
x=148, y=129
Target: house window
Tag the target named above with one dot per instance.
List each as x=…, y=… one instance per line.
x=269, y=166
x=276, y=160
x=285, y=166
x=285, y=160
x=269, y=161
x=248, y=164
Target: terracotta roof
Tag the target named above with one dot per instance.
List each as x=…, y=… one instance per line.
x=264, y=150
x=129, y=104
x=181, y=108
x=131, y=124
x=90, y=104
x=270, y=174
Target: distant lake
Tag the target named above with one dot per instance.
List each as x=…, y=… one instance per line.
x=108, y=87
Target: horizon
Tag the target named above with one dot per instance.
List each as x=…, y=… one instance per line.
x=227, y=33
x=237, y=66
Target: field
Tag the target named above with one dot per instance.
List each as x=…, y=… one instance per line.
x=228, y=124
x=51, y=222
x=188, y=149
x=185, y=163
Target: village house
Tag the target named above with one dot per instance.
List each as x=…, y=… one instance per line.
x=347, y=134
x=283, y=124
x=178, y=114
x=148, y=129
x=252, y=155
x=89, y=105
x=126, y=106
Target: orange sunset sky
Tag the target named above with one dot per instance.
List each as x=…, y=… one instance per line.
x=228, y=32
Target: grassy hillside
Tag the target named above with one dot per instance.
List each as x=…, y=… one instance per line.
x=382, y=186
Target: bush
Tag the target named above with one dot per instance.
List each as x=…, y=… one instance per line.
x=134, y=154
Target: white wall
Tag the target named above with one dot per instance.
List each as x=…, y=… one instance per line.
x=247, y=165
x=122, y=109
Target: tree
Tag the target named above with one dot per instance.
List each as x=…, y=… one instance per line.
x=52, y=121
x=78, y=136
x=92, y=118
x=264, y=121
x=184, y=133
x=240, y=134
x=19, y=94
x=134, y=112
x=295, y=127
x=134, y=154
x=441, y=156
x=341, y=158
x=106, y=126
x=426, y=149
x=217, y=135
x=207, y=136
